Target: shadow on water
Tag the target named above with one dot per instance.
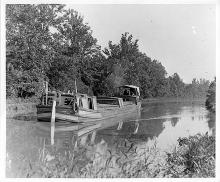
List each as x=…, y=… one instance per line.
x=174, y=121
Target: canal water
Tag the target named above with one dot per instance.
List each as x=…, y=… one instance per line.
x=159, y=124
x=162, y=123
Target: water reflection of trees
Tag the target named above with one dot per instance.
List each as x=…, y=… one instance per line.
x=161, y=109
x=211, y=117
x=139, y=130
x=174, y=121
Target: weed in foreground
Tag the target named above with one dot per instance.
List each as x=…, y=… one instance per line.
x=193, y=157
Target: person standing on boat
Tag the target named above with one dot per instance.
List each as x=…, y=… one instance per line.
x=126, y=92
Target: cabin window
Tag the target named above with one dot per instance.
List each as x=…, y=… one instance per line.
x=67, y=101
x=49, y=100
x=133, y=92
x=90, y=103
x=126, y=92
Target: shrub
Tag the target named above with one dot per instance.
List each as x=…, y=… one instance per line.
x=210, y=101
x=194, y=157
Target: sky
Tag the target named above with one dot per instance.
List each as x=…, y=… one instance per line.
x=181, y=37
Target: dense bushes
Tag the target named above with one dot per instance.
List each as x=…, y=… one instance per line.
x=210, y=101
x=194, y=157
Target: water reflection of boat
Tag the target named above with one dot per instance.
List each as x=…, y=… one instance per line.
x=76, y=134
x=139, y=129
x=68, y=139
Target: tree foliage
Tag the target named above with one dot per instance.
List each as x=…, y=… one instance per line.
x=211, y=101
x=28, y=45
x=50, y=42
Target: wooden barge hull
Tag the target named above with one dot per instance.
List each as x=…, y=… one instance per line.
x=66, y=114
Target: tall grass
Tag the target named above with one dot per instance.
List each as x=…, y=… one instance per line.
x=192, y=157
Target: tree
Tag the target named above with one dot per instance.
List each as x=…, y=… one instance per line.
x=210, y=101
x=48, y=42
x=135, y=68
x=197, y=89
x=28, y=44
x=121, y=60
x=176, y=85
x=75, y=48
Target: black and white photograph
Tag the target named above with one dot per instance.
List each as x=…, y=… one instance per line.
x=108, y=90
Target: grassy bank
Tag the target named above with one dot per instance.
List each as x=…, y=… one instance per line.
x=17, y=107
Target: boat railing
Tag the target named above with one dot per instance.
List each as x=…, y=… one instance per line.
x=133, y=99
x=110, y=101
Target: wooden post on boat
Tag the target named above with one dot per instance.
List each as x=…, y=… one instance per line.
x=52, y=128
x=75, y=86
x=94, y=101
x=120, y=125
x=46, y=91
x=120, y=102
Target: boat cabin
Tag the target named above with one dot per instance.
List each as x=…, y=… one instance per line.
x=74, y=100
x=129, y=90
x=129, y=93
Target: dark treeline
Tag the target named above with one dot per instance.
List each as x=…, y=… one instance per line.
x=49, y=42
x=211, y=97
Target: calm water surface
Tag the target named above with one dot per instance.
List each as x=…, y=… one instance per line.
x=160, y=123
x=163, y=123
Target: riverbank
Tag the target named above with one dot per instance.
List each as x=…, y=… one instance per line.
x=18, y=107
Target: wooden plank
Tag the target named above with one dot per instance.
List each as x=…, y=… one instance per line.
x=67, y=128
x=46, y=90
x=53, y=122
x=114, y=113
x=72, y=118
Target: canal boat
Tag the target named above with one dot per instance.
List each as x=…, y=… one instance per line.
x=82, y=108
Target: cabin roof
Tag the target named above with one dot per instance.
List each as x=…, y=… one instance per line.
x=131, y=86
